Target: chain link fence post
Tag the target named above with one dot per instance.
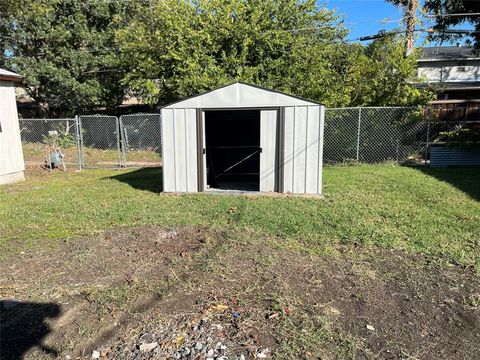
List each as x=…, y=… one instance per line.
x=358, y=133
x=427, y=143
x=141, y=139
x=78, y=141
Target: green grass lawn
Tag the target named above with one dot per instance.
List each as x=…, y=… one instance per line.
x=432, y=211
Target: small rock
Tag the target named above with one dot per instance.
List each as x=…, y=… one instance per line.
x=262, y=354
x=370, y=327
x=241, y=357
x=95, y=354
x=198, y=346
x=210, y=353
x=148, y=347
x=68, y=357
x=223, y=347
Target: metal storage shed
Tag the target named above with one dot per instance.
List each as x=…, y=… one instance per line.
x=243, y=137
x=11, y=154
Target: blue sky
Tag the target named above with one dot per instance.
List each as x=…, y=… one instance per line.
x=367, y=17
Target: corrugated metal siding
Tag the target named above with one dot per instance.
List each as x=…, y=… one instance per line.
x=179, y=150
x=303, y=142
x=441, y=156
x=11, y=154
x=269, y=145
x=303, y=149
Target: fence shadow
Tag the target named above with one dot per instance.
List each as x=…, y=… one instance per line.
x=23, y=327
x=463, y=178
x=148, y=178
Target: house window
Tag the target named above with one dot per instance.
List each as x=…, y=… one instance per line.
x=461, y=67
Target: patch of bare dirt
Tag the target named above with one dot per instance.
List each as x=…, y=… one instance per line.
x=199, y=293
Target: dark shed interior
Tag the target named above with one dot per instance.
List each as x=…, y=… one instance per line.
x=233, y=149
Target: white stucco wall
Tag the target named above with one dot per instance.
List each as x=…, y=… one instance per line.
x=11, y=155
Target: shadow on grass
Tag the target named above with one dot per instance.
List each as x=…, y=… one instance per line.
x=23, y=327
x=465, y=179
x=149, y=178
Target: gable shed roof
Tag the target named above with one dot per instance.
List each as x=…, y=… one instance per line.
x=6, y=75
x=240, y=95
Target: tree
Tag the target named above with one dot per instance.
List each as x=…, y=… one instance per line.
x=287, y=44
x=65, y=50
x=443, y=10
x=181, y=48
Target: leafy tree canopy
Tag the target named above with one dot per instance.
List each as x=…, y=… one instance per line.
x=180, y=48
x=65, y=50
x=76, y=55
x=443, y=8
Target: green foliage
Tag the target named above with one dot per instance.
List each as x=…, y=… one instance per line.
x=461, y=136
x=440, y=7
x=78, y=55
x=65, y=52
x=181, y=48
x=63, y=141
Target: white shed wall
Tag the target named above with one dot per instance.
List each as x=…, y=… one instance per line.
x=179, y=135
x=303, y=138
x=269, y=145
x=11, y=154
x=303, y=149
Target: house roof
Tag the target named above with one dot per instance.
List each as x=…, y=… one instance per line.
x=238, y=95
x=446, y=53
x=6, y=75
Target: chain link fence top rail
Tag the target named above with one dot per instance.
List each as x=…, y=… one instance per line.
x=34, y=134
x=141, y=139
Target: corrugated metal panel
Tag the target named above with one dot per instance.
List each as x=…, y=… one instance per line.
x=168, y=151
x=288, y=151
x=312, y=151
x=303, y=138
x=269, y=145
x=179, y=150
x=303, y=149
x=11, y=153
x=442, y=156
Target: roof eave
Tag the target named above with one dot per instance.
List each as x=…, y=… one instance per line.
x=13, y=78
x=243, y=83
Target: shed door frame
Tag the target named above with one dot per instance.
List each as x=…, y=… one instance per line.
x=201, y=151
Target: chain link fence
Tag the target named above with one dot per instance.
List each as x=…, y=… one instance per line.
x=366, y=135
x=141, y=139
x=374, y=134
x=35, y=135
x=95, y=141
x=100, y=141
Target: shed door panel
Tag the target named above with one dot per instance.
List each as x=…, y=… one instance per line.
x=268, y=143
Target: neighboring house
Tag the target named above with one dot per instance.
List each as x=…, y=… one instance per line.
x=455, y=72
x=11, y=155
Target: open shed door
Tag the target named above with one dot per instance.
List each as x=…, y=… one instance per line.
x=268, y=144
